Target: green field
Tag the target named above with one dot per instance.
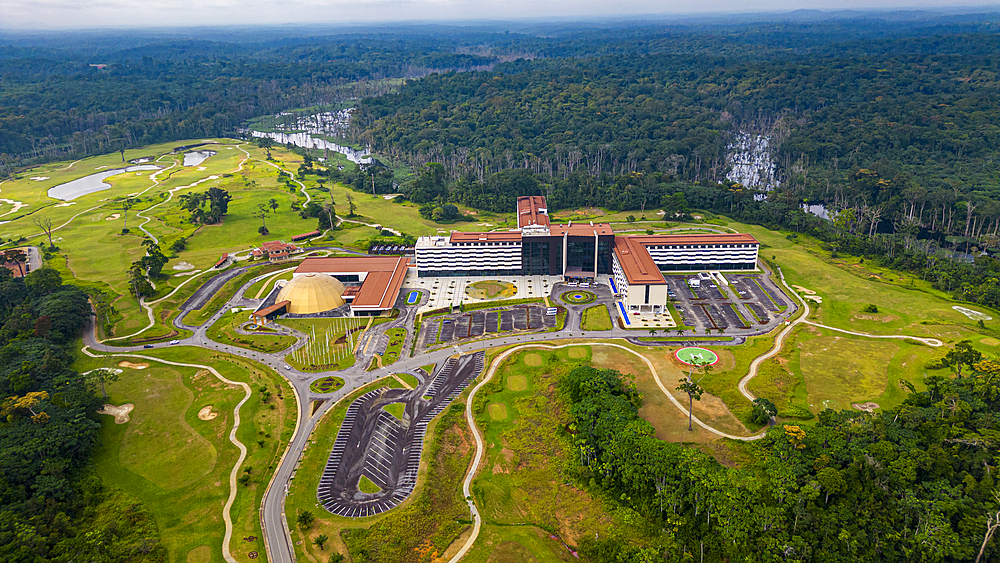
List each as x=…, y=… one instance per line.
x=224, y=331
x=331, y=343
x=176, y=462
x=397, y=337
x=327, y=384
x=525, y=489
x=596, y=318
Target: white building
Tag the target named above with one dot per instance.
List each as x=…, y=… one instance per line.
x=470, y=254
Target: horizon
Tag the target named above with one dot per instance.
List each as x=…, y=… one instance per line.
x=15, y=18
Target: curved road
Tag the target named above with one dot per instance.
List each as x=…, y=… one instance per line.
x=273, y=522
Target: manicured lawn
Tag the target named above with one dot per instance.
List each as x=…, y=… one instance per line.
x=490, y=289
x=525, y=484
x=409, y=379
x=365, y=485
x=224, y=331
x=596, y=318
x=395, y=409
x=327, y=384
x=331, y=343
x=177, y=463
x=397, y=336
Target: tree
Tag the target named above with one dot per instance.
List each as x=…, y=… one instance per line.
x=265, y=143
x=350, y=206
x=126, y=204
x=337, y=558
x=46, y=226
x=103, y=376
x=963, y=355
x=272, y=204
x=14, y=256
x=329, y=212
x=154, y=260
x=763, y=411
x=305, y=519
x=43, y=281
x=320, y=540
x=694, y=392
x=262, y=211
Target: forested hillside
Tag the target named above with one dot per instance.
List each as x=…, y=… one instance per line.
x=914, y=483
x=52, y=506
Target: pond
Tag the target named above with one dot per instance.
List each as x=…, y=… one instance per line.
x=194, y=158
x=305, y=140
x=311, y=131
x=93, y=183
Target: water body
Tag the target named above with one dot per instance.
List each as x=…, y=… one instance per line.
x=93, y=183
x=194, y=158
x=306, y=140
x=307, y=132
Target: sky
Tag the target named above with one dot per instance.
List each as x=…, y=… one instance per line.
x=28, y=15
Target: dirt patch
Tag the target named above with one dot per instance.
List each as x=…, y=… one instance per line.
x=113, y=216
x=989, y=341
x=120, y=412
x=498, y=411
x=206, y=413
x=182, y=266
x=867, y=407
x=878, y=318
x=577, y=352
x=532, y=359
x=133, y=366
x=801, y=289
x=517, y=383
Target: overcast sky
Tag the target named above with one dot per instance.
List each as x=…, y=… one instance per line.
x=49, y=14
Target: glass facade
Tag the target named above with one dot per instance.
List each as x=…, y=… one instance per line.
x=535, y=257
x=701, y=267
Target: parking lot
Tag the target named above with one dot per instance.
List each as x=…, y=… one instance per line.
x=375, y=444
x=445, y=329
x=750, y=300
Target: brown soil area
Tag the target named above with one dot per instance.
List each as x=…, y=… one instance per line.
x=133, y=366
x=206, y=413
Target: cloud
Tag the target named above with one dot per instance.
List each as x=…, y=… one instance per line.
x=48, y=14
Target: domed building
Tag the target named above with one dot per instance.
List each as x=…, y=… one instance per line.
x=312, y=293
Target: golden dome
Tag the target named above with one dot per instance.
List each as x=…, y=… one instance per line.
x=312, y=293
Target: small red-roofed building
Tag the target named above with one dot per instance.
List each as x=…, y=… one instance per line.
x=274, y=250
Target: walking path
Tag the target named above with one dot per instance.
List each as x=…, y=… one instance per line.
x=226, y=517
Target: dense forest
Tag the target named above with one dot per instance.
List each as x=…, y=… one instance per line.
x=913, y=483
x=52, y=505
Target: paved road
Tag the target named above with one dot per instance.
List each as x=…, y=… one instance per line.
x=273, y=521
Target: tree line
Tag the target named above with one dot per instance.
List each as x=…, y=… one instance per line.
x=911, y=483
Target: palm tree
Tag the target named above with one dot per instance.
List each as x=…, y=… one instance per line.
x=273, y=204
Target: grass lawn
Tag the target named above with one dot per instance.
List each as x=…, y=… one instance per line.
x=197, y=317
x=525, y=484
x=397, y=336
x=409, y=379
x=596, y=318
x=331, y=343
x=491, y=289
x=327, y=384
x=365, y=485
x=224, y=331
x=396, y=409
x=176, y=462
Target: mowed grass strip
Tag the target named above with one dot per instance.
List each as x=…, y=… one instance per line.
x=596, y=318
x=177, y=463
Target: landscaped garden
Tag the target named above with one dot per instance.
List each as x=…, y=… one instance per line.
x=596, y=318
x=491, y=289
x=327, y=384
x=578, y=297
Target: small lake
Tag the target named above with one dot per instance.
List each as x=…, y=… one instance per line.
x=93, y=183
x=305, y=140
x=194, y=158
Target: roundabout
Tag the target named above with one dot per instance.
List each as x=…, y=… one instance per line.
x=578, y=297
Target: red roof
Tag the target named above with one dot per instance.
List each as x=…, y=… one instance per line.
x=581, y=229
x=636, y=262
x=347, y=264
x=678, y=240
x=268, y=310
x=532, y=210
x=380, y=289
x=305, y=235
